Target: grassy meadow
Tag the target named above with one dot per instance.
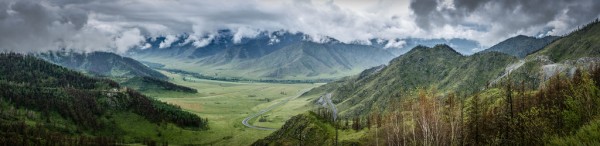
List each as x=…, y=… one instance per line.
x=225, y=105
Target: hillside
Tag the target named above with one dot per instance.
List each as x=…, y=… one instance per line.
x=44, y=103
x=521, y=46
x=439, y=68
x=584, y=42
x=102, y=64
x=549, y=97
x=277, y=55
x=303, y=129
x=144, y=84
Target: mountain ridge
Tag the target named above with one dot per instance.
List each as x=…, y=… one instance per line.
x=102, y=64
x=521, y=45
x=291, y=56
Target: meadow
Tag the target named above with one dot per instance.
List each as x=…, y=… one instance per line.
x=225, y=105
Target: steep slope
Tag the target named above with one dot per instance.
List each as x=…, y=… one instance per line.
x=44, y=103
x=521, y=46
x=278, y=55
x=579, y=49
x=439, y=68
x=581, y=43
x=102, y=64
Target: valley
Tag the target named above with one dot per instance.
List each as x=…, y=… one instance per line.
x=227, y=104
x=299, y=72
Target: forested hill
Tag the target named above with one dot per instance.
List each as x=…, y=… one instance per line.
x=44, y=103
x=439, y=67
x=433, y=96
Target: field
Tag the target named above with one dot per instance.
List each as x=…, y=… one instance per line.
x=226, y=104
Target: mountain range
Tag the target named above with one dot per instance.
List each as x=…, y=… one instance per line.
x=422, y=88
x=277, y=55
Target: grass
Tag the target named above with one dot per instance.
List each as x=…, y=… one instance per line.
x=226, y=104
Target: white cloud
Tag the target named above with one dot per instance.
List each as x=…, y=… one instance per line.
x=169, y=39
x=128, y=39
x=244, y=32
x=395, y=44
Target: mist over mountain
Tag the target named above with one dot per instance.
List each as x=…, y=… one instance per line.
x=276, y=55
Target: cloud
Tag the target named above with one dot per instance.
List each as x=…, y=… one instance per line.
x=395, y=44
x=169, y=39
x=493, y=20
x=244, y=32
x=119, y=25
x=128, y=39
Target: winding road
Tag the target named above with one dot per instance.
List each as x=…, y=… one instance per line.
x=245, y=121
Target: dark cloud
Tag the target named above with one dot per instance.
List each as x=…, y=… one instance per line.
x=507, y=17
x=116, y=25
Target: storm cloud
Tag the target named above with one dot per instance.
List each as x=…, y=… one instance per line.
x=499, y=19
x=119, y=25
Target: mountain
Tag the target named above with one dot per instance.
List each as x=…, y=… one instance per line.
x=434, y=96
x=102, y=64
x=45, y=103
x=440, y=68
x=521, y=46
x=277, y=55
x=401, y=46
x=577, y=50
x=147, y=84
x=580, y=43
x=445, y=70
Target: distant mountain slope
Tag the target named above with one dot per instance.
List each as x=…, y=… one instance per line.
x=45, y=103
x=439, y=67
x=102, y=63
x=156, y=85
x=521, y=46
x=581, y=43
x=278, y=55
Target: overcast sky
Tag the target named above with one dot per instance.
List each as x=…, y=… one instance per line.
x=118, y=25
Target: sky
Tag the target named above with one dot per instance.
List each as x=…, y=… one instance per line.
x=120, y=25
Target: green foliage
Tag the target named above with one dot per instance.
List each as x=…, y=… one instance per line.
x=588, y=134
x=439, y=67
x=71, y=104
x=303, y=129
